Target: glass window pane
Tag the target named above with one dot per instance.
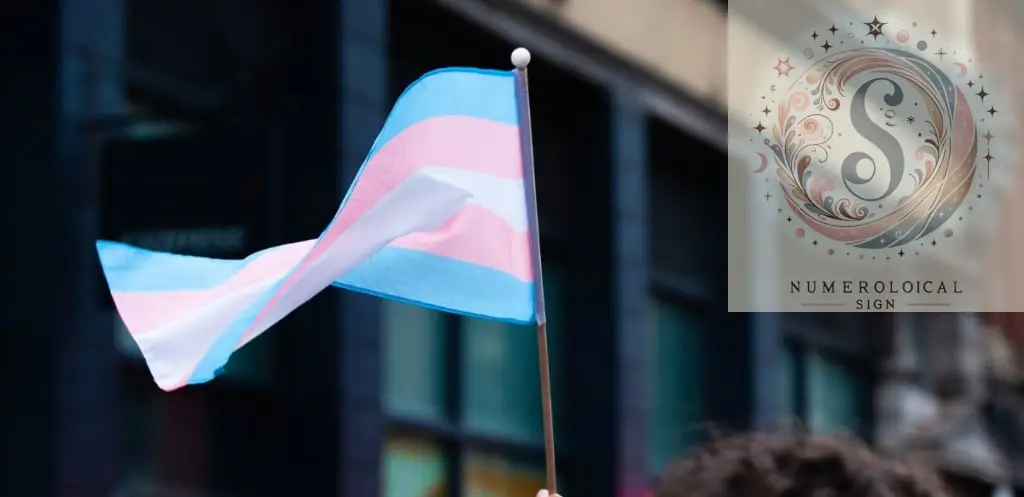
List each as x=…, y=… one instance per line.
x=414, y=342
x=414, y=467
x=501, y=388
x=500, y=382
x=834, y=396
x=494, y=475
x=684, y=245
x=677, y=393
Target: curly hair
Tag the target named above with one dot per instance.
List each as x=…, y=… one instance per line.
x=768, y=465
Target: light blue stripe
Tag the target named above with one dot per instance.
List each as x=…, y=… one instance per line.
x=133, y=269
x=444, y=284
x=400, y=274
x=453, y=91
x=212, y=364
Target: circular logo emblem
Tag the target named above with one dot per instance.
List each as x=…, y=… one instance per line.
x=877, y=137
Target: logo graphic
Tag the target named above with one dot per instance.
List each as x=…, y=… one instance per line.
x=876, y=142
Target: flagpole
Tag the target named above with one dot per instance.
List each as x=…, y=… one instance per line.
x=521, y=59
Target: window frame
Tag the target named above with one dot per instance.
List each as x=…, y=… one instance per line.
x=451, y=434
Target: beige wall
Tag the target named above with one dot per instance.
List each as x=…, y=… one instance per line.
x=680, y=40
x=684, y=41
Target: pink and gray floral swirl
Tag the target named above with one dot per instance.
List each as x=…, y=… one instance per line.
x=820, y=189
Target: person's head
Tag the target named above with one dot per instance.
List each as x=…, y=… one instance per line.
x=767, y=465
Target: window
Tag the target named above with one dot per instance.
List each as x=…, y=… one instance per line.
x=677, y=393
x=685, y=246
x=229, y=43
x=685, y=275
x=500, y=380
x=834, y=396
x=414, y=467
x=494, y=475
x=416, y=354
x=458, y=383
x=826, y=392
x=163, y=207
x=501, y=375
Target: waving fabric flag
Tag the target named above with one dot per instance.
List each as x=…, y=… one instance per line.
x=438, y=216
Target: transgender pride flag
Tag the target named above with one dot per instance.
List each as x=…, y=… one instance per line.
x=439, y=216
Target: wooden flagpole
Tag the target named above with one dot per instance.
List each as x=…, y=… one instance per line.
x=521, y=59
x=545, y=396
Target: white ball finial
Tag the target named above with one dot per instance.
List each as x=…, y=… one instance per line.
x=520, y=58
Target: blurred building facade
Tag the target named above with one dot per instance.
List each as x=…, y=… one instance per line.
x=220, y=127
x=949, y=393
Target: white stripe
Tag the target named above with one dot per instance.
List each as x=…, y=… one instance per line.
x=420, y=203
x=504, y=197
x=173, y=350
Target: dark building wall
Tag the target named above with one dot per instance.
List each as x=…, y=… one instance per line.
x=337, y=89
x=58, y=417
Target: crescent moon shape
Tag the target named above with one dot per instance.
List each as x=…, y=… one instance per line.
x=962, y=67
x=764, y=163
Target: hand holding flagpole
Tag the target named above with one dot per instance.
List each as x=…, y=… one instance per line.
x=521, y=59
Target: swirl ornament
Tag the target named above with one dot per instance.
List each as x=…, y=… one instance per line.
x=874, y=147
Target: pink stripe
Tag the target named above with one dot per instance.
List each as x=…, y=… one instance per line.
x=455, y=142
x=459, y=142
x=478, y=236
x=146, y=311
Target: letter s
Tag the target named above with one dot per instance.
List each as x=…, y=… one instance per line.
x=878, y=136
